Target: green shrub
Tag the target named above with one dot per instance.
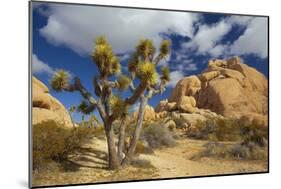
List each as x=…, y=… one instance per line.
x=157, y=135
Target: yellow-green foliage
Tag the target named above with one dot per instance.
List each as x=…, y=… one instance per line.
x=104, y=57
x=117, y=105
x=123, y=82
x=165, y=48
x=165, y=74
x=133, y=62
x=145, y=48
x=60, y=80
x=147, y=72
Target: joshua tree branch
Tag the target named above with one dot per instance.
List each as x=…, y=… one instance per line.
x=137, y=93
x=77, y=86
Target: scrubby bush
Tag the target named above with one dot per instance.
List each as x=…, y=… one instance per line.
x=250, y=151
x=252, y=137
x=157, y=135
x=141, y=163
x=53, y=141
x=181, y=123
x=214, y=149
x=49, y=141
x=255, y=133
x=228, y=130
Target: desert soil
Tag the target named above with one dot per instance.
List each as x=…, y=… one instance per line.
x=88, y=165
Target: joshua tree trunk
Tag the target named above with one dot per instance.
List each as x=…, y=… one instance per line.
x=121, y=140
x=133, y=144
x=113, y=161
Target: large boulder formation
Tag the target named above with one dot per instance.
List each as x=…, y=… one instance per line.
x=227, y=87
x=47, y=108
x=238, y=90
x=188, y=86
x=149, y=113
x=51, y=125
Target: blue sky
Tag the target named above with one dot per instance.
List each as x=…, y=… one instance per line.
x=63, y=38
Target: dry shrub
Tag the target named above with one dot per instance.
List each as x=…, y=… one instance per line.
x=228, y=130
x=141, y=163
x=49, y=141
x=52, y=141
x=250, y=151
x=252, y=137
x=157, y=136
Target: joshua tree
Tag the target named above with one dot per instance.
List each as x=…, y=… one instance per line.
x=71, y=110
x=93, y=121
x=142, y=68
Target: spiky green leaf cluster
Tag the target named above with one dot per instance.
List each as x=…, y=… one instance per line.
x=103, y=56
x=133, y=62
x=85, y=108
x=146, y=71
x=165, y=74
x=72, y=109
x=145, y=48
x=117, y=105
x=60, y=80
x=123, y=82
x=165, y=48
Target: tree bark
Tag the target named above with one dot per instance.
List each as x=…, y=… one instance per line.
x=113, y=162
x=133, y=144
x=121, y=140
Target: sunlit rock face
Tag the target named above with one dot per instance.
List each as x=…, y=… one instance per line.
x=226, y=87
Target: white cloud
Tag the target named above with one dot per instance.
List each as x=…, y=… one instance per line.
x=77, y=26
x=254, y=40
x=39, y=66
x=135, y=107
x=208, y=36
x=175, y=77
x=124, y=57
x=218, y=50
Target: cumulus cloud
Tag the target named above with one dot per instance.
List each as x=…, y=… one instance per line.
x=254, y=40
x=208, y=39
x=175, y=77
x=39, y=66
x=76, y=27
x=208, y=36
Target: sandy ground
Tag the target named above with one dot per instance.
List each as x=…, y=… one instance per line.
x=88, y=165
x=178, y=162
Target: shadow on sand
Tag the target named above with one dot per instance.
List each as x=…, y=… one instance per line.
x=84, y=158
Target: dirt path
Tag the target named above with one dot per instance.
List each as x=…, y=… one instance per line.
x=88, y=165
x=177, y=162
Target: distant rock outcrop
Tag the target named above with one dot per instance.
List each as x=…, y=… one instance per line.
x=47, y=108
x=149, y=113
x=227, y=87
